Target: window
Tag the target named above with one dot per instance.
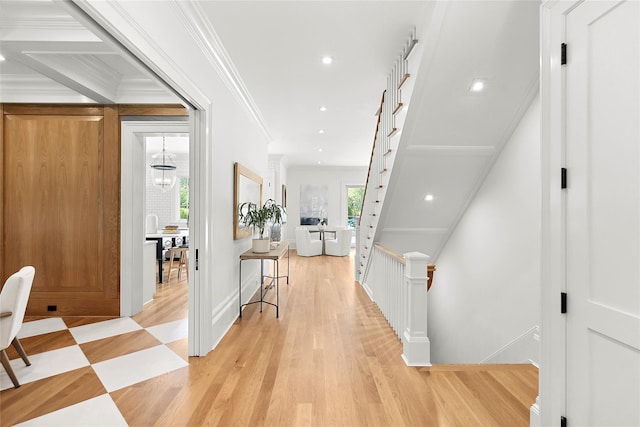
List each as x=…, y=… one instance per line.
x=354, y=205
x=184, y=199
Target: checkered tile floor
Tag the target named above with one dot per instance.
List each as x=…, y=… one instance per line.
x=148, y=353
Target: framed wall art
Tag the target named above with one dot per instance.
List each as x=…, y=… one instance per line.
x=247, y=188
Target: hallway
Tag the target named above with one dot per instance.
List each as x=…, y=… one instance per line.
x=330, y=359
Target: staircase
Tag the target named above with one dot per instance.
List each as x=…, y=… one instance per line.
x=435, y=137
x=391, y=118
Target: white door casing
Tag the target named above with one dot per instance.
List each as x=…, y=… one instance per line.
x=114, y=19
x=132, y=206
x=602, y=92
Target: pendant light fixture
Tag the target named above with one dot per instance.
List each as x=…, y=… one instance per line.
x=163, y=169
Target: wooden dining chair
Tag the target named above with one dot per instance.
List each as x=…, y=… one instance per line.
x=182, y=264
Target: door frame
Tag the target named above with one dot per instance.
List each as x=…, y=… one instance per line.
x=344, y=211
x=551, y=402
x=111, y=20
x=133, y=205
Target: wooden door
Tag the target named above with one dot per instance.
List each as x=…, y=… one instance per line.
x=603, y=214
x=61, y=206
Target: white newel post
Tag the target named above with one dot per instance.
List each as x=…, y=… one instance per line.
x=416, y=348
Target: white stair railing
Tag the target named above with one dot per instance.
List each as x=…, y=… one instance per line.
x=398, y=285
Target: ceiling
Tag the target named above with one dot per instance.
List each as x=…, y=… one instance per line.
x=276, y=47
x=451, y=137
x=51, y=57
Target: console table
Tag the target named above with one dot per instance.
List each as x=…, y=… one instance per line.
x=274, y=255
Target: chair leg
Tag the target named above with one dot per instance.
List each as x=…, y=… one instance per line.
x=179, y=264
x=171, y=255
x=18, y=346
x=183, y=264
x=7, y=367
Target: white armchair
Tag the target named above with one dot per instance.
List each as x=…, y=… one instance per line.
x=304, y=245
x=341, y=245
x=13, y=304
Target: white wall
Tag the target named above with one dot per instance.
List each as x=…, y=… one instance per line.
x=172, y=41
x=249, y=149
x=335, y=178
x=484, y=304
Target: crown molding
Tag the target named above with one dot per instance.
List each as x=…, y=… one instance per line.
x=201, y=30
x=36, y=88
x=101, y=19
x=142, y=90
x=41, y=23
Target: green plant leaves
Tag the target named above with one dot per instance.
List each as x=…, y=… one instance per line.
x=252, y=215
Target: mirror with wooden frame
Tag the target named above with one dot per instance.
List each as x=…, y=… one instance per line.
x=247, y=188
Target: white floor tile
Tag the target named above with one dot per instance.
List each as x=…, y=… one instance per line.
x=133, y=368
x=44, y=365
x=100, y=330
x=39, y=327
x=99, y=411
x=171, y=331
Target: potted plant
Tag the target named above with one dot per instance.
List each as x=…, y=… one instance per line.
x=259, y=217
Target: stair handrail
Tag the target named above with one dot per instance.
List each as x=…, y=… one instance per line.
x=390, y=252
x=373, y=150
x=431, y=268
x=385, y=146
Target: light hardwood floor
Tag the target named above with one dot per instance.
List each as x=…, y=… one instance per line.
x=329, y=360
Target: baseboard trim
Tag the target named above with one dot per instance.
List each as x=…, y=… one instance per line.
x=523, y=349
x=368, y=291
x=225, y=314
x=534, y=414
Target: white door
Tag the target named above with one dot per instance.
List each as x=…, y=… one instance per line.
x=603, y=213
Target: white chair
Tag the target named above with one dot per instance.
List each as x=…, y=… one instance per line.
x=13, y=304
x=341, y=245
x=304, y=245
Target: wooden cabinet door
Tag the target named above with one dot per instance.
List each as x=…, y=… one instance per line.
x=58, y=210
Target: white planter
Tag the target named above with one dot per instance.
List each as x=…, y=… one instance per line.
x=261, y=245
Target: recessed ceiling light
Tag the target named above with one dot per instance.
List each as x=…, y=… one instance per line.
x=319, y=162
x=321, y=131
x=477, y=86
x=2, y=58
x=319, y=150
x=428, y=197
x=326, y=60
x=323, y=108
